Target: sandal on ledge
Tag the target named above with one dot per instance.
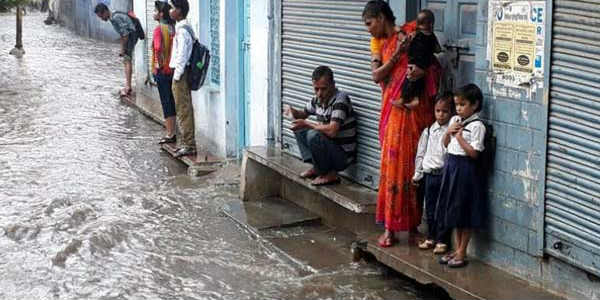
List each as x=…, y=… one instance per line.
x=426, y=244
x=168, y=140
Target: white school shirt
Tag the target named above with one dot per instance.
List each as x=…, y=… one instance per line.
x=473, y=133
x=430, y=152
x=182, y=49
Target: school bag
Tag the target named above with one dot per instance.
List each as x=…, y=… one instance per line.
x=485, y=160
x=139, y=30
x=198, y=62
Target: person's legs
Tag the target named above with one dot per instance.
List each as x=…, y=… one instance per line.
x=164, y=84
x=185, y=112
x=461, y=252
x=170, y=125
x=131, y=41
x=328, y=157
x=128, y=71
x=432, y=189
x=302, y=141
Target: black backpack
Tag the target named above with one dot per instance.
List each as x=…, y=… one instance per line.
x=485, y=161
x=139, y=30
x=198, y=63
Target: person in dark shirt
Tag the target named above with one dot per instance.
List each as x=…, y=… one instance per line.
x=420, y=53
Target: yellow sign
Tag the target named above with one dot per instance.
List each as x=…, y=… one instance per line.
x=524, y=47
x=514, y=46
x=503, y=45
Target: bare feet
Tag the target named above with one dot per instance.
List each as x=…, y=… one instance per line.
x=329, y=178
x=310, y=173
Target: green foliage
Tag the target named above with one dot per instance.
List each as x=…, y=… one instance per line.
x=8, y=4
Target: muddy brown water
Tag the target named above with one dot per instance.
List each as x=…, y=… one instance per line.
x=92, y=209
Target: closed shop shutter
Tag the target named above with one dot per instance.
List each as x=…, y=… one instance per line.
x=150, y=25
x=331, y=33
x=572, y=211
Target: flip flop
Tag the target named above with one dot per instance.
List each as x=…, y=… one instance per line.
x=457, y=263
x=387, y=242
x=310, y=174
x=332, y=182
x=426, y=244
x=445, y=259
x=440, y=248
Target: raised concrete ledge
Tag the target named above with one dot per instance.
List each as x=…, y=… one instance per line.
x=350, y=195
x=475, y=281
x=198, y=165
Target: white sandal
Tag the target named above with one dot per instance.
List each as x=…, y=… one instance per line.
x=426, y=244
x=440, y=248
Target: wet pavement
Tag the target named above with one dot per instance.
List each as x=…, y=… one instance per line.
x=93, y=209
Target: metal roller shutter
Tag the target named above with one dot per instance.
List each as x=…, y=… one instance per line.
x=332, y=33
x=572, y=211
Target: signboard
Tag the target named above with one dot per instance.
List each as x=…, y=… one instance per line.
x=516, y=41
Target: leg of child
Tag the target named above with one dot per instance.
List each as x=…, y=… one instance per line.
x=465, y=237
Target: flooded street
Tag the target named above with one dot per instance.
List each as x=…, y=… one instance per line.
x=92, y=209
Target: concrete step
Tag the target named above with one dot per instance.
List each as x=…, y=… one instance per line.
x=293, y=232
x=476, y=281
x=270, y=212
x=348, y=194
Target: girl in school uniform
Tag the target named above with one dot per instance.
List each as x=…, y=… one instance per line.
x=461, y=198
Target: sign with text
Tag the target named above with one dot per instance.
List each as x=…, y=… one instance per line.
x=516, y=41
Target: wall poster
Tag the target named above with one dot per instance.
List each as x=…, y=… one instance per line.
x=516, y=34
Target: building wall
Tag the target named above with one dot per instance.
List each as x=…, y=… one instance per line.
x=216, y=107
x=514, y=238
x=259, y=49
x=79, y=16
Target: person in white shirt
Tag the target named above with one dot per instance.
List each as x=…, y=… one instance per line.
x=182, y=50
x=461, y=203
x=429, y=164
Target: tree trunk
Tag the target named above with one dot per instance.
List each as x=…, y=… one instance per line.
x=19, y=44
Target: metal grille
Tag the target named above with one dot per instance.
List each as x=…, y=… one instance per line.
x=215, y=72
x=332, y=33
x=572, y=218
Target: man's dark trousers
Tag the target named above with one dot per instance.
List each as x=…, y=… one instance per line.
x=323, y=152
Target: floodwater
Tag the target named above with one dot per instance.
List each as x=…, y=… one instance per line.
x=92, y=209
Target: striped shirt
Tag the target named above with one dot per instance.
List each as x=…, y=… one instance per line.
x=339, y=109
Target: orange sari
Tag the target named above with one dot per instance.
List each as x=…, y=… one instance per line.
x=399, y=132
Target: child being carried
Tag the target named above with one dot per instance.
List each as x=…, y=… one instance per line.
x=420, y=54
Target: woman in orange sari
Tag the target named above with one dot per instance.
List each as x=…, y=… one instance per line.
x=399, y=126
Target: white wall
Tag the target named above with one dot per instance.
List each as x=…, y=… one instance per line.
x=259, y=49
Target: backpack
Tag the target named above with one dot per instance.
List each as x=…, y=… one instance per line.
x=198, y=63
x=139, y=30
x=485, y=160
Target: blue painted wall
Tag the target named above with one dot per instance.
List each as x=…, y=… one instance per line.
x=514, y=238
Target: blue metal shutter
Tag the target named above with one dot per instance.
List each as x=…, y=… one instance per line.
x=331, y=33
x=572, y=211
